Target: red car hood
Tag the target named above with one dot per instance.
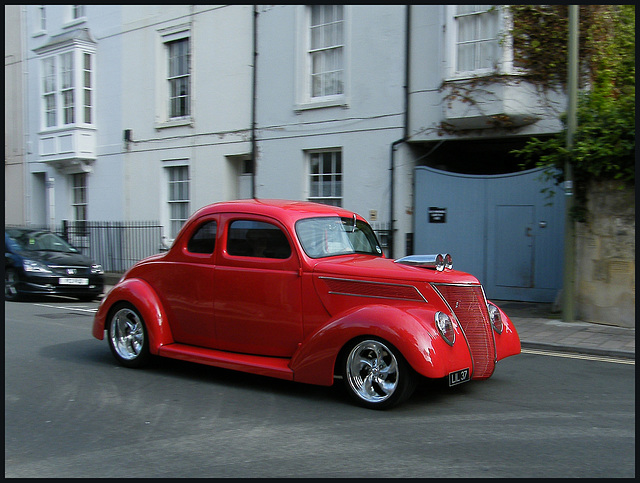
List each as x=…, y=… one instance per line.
x=366, y=267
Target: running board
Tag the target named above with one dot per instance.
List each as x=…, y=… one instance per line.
x=261, y=365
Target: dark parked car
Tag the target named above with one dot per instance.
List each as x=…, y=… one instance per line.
x=39, y=262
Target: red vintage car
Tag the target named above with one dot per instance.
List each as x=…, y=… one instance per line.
x=302, y=291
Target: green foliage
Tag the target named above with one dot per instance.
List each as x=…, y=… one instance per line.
x=604, y=142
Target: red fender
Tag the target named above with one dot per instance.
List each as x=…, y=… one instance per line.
x=507, y=343
x=140, y=294
x=411, y=329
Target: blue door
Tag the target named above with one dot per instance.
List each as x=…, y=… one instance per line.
x=501, y=228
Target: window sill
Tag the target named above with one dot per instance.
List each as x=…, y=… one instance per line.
x=67, y=128
x=339, y=101
x=74, y=22
x=470, y=76
x=184, y=121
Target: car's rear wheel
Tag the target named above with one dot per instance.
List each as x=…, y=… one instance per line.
x=128, y=338
x=11, y=285
x=376, y=375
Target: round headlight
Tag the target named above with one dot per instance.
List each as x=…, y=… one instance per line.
x=495, y=318
x=445, y=327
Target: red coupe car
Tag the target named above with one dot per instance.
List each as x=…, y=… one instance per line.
x=302, y=291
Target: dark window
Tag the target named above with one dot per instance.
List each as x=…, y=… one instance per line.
x=257, y=239
x=204, y=239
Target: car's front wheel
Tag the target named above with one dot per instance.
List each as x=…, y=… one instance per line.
x=128, y=338
x=376, y=375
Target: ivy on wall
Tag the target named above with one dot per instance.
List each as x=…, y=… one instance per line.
x=604, y=142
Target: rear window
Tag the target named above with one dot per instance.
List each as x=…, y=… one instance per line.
x=204, y=239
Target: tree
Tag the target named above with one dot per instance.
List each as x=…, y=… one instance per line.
x=604, y=142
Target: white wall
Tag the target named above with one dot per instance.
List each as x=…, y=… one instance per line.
x=364, y=128
x=220, y=110
x=14, y=153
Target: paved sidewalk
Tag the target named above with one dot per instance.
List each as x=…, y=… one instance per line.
x=540, y=328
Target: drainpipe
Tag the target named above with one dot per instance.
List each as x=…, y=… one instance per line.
x=253, y=101
x=405, y=135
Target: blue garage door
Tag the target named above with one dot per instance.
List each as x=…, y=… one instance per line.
x=504, y=229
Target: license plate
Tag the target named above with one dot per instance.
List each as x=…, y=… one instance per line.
x=73, y=281
x=458, y=377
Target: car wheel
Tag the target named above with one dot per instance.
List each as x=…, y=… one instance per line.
x=376, y=375
x=128, y=336
x=11, y=285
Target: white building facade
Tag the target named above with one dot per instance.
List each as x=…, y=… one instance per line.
x=150, y=112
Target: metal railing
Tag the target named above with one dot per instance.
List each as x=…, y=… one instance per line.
x=116, y=245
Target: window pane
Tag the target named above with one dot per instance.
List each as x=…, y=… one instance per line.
x=178, y=52
x=68, y=107
x=249, y=238
x=326, y=63
x=477, y=37
x=66, y=70
x=325, y=181
x=204, y=240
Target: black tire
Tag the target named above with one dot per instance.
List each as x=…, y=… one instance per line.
x=375, y=374
x=11, y=282
x=127, y=336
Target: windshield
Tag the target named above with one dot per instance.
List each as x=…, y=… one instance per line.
x=330, y=236
x=41, y=241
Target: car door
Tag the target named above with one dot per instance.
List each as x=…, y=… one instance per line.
x=257, y=288
x=185, y=282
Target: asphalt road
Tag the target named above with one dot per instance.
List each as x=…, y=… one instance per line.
x=71, y=411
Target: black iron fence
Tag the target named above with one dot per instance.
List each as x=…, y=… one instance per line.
x=116, y=245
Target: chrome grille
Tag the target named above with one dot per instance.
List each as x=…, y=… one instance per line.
x=70, y=270
x=470, y=308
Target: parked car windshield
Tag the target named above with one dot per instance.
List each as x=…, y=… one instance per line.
x=40, y=241
x=330, y=236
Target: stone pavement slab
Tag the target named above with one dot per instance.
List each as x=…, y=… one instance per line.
x=541, y=328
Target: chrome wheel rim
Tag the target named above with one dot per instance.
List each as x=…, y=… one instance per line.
x=127, y=334
x=372, y=371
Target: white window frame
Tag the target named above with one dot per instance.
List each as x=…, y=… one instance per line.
x=76, y=14
x=303, y=67
x=163, y=100
x=179, y=105
x=49, y=86
x=504, y=59
x=335, y=197
x=173, y=223
x=66, y=101
x=79, y=197
x=39, y=26
x=87, y=87
x=68, y=98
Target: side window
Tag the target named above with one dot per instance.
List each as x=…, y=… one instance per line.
x=204, y=239
x=257, y=239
